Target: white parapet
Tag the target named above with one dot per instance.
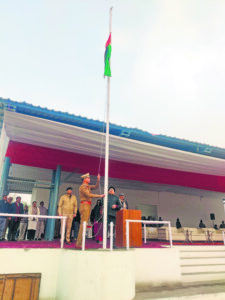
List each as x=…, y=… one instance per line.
x=71, y=274
x=102, y=275
x=155, y=267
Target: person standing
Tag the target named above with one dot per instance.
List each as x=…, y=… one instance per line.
x=9, y=201
x=32, y=222
x=85, y=203
x=75, y=226
x=68, y=208
x=23, y=224
x=4, y=208
x=113, y=206
x=16, y=208
x=41, y=221
x=97, y=219
x=123, y=202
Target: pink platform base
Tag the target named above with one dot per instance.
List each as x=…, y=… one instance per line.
x=91, y=244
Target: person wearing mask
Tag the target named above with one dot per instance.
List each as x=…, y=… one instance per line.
x=23, y=224
x=32, y=222
x=86, y=197
x=123, y=202
x=15, y=208
x=68, y=208
x=41, y=221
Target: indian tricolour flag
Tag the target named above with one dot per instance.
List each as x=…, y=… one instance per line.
x=108, y=50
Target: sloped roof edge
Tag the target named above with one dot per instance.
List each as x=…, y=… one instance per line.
x=117, y=130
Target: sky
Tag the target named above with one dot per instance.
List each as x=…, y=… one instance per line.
x=168, y=62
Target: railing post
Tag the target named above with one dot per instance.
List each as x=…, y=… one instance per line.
x=111, y=235
x=84, y=235
x=144, y=233
x=170, y=235
x=63, y=231
x=127, y=234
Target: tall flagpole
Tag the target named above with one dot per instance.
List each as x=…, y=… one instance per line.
x=107, y=151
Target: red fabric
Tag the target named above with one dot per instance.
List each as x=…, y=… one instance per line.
x=42, y=157
x=108, y=41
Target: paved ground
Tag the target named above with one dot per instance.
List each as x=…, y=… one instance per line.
x=213, y=290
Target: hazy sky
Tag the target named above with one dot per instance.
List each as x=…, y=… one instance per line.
x=168, y=62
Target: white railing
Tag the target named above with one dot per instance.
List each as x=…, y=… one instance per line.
x=84, y=235
x=41, y=217
x=111, y=235
x=146, y=222
x=223, y=238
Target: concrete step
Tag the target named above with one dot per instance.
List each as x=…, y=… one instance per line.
x=199, y=276
x=202, y=254
x=218, y=296
x=194, y=291
x=202, y=269
x=202, y=261
x=200, y=248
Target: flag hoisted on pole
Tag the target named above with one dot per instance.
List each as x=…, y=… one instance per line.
x=108, y=50
x=107, y=72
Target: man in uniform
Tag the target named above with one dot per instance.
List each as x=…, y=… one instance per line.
x=85, y=203
x=68, y=207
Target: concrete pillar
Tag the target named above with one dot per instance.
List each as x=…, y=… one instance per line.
x=50, y=204
x=4, y=177
x=53, y=203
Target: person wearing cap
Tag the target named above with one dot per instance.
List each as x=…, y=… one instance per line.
x=113, y=206
x=86, y=197
x=123, y=202
x=68, y=208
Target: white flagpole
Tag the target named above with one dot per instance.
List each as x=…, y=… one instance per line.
x=104, y=245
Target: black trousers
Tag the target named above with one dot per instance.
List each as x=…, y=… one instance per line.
x=13, y=227
x=31, y=234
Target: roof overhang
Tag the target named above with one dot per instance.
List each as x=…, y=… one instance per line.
x=45, y=133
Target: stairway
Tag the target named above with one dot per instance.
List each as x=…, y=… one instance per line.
x=202, y=263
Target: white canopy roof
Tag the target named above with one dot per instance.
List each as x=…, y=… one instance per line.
x=42, y=132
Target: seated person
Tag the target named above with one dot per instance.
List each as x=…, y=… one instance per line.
x=222, y=225
x=216, y=227
x=201, y=224
x=160, y=225
x=178, y=224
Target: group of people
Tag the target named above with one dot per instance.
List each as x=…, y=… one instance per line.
x=18, y=227
x=68, y=207
x=201, y=224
